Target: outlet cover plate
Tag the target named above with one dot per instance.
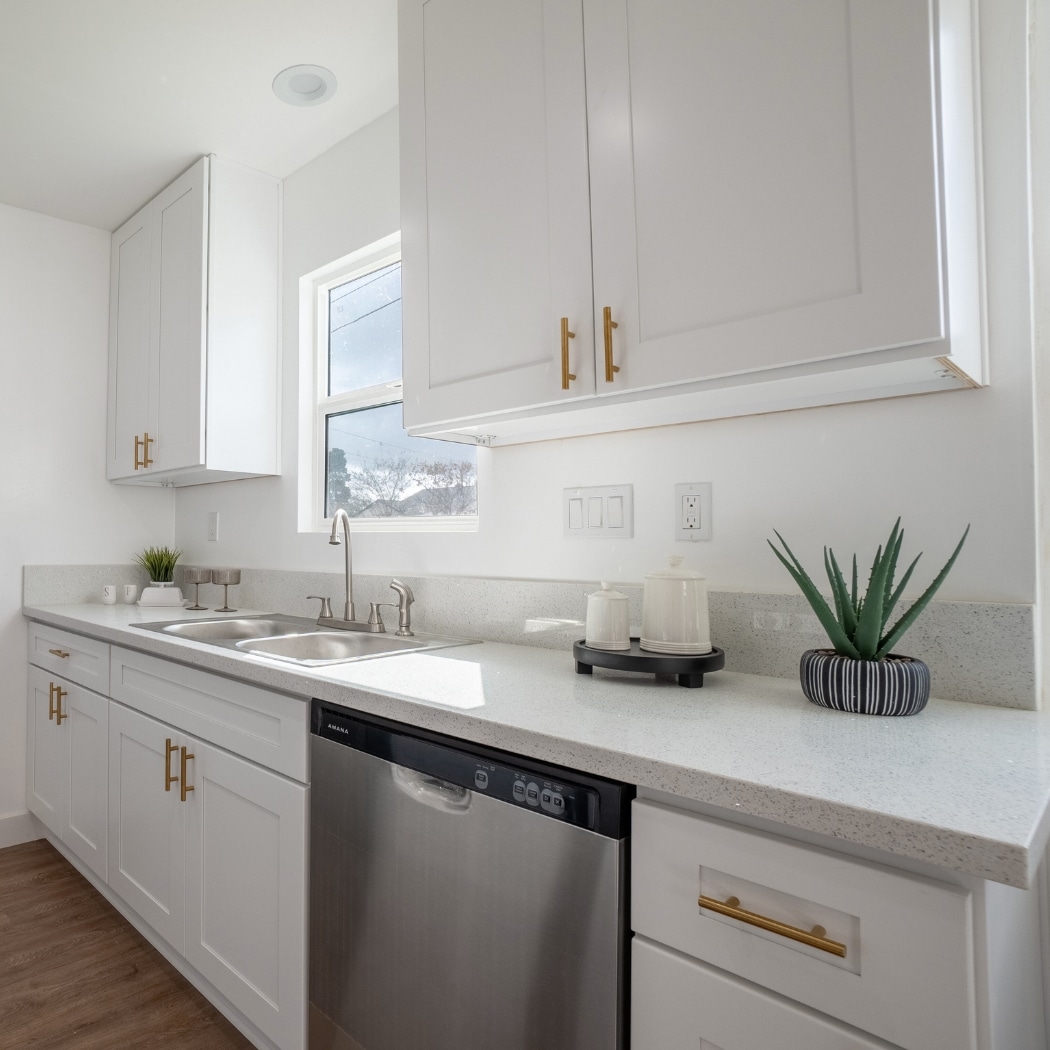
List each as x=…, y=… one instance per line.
x=698, y=496
x=605, y=512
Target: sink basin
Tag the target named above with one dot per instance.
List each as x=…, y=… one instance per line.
x=231, y=630
x=296, y=639
x=331, y=647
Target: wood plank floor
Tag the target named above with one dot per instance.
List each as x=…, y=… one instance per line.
x=74, y=975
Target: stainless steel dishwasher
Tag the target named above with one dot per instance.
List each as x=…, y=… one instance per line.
x=461, y=898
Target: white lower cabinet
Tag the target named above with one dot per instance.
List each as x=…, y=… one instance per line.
x=67, y=767
x=210, y=850
x=681, y=1004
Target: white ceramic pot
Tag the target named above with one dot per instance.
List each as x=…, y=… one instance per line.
x=675, y=617
x=608, y=620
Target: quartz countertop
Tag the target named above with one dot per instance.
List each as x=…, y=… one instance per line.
x=961, y=786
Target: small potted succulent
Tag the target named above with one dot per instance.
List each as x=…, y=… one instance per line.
x=861, y=674
x=159, y=562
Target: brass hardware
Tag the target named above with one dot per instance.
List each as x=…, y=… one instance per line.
x=51, y=700
x=609, y=324
x=815, y=938
x=566, y=335
x=169, y=750
x=59, y=693
x=143, y=443
x=58, y=652
x=185, y=788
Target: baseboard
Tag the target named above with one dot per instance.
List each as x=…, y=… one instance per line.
x=16, y=828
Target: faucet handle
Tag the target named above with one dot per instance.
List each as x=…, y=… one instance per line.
x=326, y=606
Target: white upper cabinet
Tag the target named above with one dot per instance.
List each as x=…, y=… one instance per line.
x=738, y=205
x=193, y=370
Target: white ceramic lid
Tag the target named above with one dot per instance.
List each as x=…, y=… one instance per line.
x=675, y=573
x=608, y=594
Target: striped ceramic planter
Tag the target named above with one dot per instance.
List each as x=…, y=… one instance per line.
x=897, y=685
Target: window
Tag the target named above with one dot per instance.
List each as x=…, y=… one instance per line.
x=363, y=461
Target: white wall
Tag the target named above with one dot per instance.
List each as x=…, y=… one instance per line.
x=56, y=505
x=838, y=475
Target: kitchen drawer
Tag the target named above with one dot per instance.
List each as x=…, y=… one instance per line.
x=680, y=1004
x=908, y=971
x=266, y=727
x=74, y=657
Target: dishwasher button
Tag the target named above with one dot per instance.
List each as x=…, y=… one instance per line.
x=481, y=779
x=518, y=791
x=532, y=794
x=553, y=802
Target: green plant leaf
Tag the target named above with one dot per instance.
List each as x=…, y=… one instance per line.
x=834, y=630
x=893, y=551
x=895, y=596
x=844, y=602
x=871, y=620
x=894, y=634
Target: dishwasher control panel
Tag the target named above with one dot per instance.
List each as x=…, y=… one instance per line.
x=579, y=799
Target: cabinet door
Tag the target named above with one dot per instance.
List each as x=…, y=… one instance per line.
x=246, y=889
x=86, y=730
x=47, y=781
x=494, y=206
x=146, y=818
x=129, y=343
x=179, y=269
x=763, y=183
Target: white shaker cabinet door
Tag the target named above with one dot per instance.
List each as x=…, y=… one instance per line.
x=764, y=187
x=494, y=206
x=246, y=889
x=130, y=346
x=180, y=272
x=146, y=816
x=47, y=783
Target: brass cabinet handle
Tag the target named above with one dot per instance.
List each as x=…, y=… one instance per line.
x=146, y=442
x=185, y=788
x=138, y=461
x=59, y=653
x=609, y=324
x=566, y=335
x=169, y=750
x=51, y=700
x=815, y=938
x=59, y=693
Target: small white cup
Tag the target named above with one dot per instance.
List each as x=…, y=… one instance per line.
x=608, y=620
x=131, y=592
x=109, y=594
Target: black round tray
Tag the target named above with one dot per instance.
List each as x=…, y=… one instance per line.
x=690, y=669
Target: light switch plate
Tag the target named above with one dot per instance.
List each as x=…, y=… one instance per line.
x=692, y=510
x=605, y=512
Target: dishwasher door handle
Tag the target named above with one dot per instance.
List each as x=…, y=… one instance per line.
x=438, y=794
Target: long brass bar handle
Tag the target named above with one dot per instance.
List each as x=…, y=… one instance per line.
x=138, y=444
x=146, y=442
x=169, y=750
x=59, y=653
x=609, y=324
x=815, y=938
x=566, y=335
x=51, y=700
x=185, y=788
x=59, y=693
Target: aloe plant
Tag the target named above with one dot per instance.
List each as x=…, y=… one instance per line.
x=159, y=562
x=856, y=626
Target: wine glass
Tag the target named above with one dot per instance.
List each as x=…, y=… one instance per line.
x=225, y=577
x=196, y=577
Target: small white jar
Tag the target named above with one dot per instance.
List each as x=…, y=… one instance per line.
x=608, y=620
x=675, y=618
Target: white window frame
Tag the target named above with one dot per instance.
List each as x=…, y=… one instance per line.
x=315, y=405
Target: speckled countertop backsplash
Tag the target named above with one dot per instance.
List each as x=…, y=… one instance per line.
x=980, y=652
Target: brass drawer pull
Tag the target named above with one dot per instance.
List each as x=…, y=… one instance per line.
x=609, y=324
x=184, y=787
x=59, y=693
x=566, y=335
x=143, y=443
x=169, y=750
x=51, y=700
x=59, y=653
x=815, y=938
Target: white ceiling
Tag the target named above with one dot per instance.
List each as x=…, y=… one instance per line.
x=104, y=102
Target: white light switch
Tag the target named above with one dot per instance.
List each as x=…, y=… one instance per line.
x=602, y=512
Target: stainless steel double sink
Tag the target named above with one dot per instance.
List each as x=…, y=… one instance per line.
x=296, y=639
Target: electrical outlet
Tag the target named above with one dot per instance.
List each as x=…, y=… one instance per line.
x=692, y=510
x=213, y=525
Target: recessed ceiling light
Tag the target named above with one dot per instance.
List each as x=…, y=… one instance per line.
x=304, y=85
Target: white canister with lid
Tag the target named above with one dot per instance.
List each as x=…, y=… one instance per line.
x=608, y=620
x=675, y=617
